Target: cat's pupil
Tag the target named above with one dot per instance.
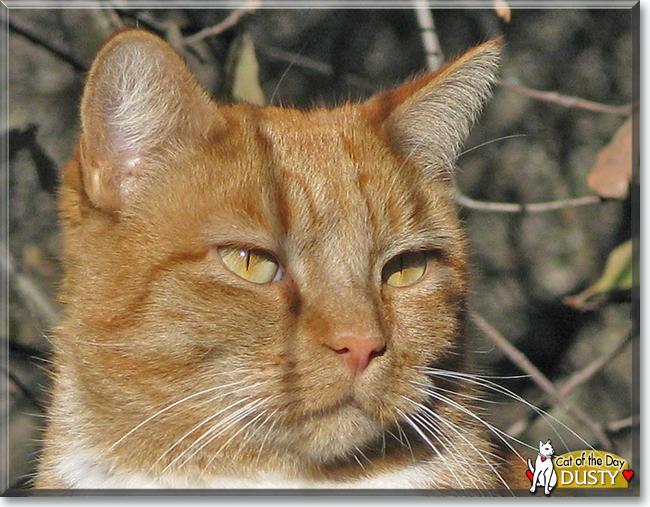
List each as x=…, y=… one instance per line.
x=254, y=265
x=405, y=269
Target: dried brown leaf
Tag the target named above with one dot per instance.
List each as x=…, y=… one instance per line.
x=245, y=72
x=503, y=10
x=611, y=174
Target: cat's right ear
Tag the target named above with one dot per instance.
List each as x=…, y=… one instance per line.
x=140, y=100
x=429, y=117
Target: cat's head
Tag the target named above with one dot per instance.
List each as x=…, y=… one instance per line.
x=261, y=282
x=546, y=449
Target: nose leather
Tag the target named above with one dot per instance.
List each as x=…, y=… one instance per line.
x=357, y=350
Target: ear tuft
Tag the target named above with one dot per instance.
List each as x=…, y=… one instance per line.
x=431, y=116
x=139, y=99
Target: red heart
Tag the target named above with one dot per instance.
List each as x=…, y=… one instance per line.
x=543, y=460
x=530, y=475
x=628, y=474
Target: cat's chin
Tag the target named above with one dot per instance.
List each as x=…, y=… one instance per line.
x=336, y=434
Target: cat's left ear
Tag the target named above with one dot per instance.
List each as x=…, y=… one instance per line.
x=430, y=116
x=140, y=103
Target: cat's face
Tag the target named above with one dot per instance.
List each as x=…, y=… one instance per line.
x=546, y=449
x=260, y=283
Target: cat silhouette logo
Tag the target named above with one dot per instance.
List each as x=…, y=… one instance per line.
x=543, y=473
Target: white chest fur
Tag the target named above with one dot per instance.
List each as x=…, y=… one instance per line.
x=80, y=469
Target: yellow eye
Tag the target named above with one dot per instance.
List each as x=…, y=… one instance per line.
x=256, y=266
x=405, y=269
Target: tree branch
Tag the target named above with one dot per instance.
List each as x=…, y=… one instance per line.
x=576, y=379
x=28, y=289
x=35, y=39
x=232, y=19
x=594, y=367
x=520, y=360
x=624, y=424
x=536, y=207
x=314, y=65
x=22, y=387
x=429, y=37
x=568, y=101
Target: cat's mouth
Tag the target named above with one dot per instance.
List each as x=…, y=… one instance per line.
x=331, y=431
x=334, y=410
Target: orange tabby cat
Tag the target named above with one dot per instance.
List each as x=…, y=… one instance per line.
x=264, y=297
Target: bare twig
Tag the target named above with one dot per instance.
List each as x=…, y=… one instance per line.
x=576, y=379
x=314, y=65
x=297, y=59
x=521, y=361
x=536, y=207
x=232, y=19
x=594, y=367
x=515, y=355
x=429, y=36
x=28, y=289
x=143, y=19
x=23, y=388
x=115, y=18
x=35, y=39
x=568, y=101
x=22, y=350
x=624, y=424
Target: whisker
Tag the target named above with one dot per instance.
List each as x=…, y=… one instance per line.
x=456, y=430
x=286, y=71
x=503, y=436
x=469, y=150
x=492, y=386
x=207, y=419
x=449, y=446
x=431, y=445
x=236, y=434
x=383, y=436
x=268, y=432
x=356, y=458
x=169, y=407
x=401, y=437
x=194, y=448
x=222, y=426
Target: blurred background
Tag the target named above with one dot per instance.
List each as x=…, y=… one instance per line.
x=552, y=291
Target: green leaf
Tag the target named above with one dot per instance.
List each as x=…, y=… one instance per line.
x=617, y=276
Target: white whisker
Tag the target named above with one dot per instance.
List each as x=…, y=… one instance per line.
x=503, y=436
x=207, y=419
x=469, y=150
x=222, y=426
x=169, y=407
x=236, y=434
x=456, y=430
x=485, y=383
x=356, y=458
x=431, y=445
x=268, y=432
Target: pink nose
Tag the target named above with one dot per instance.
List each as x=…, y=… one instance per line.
x=357, y=351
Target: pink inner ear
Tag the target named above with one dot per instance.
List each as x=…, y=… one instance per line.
x=128, y=180
x=137, y=101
